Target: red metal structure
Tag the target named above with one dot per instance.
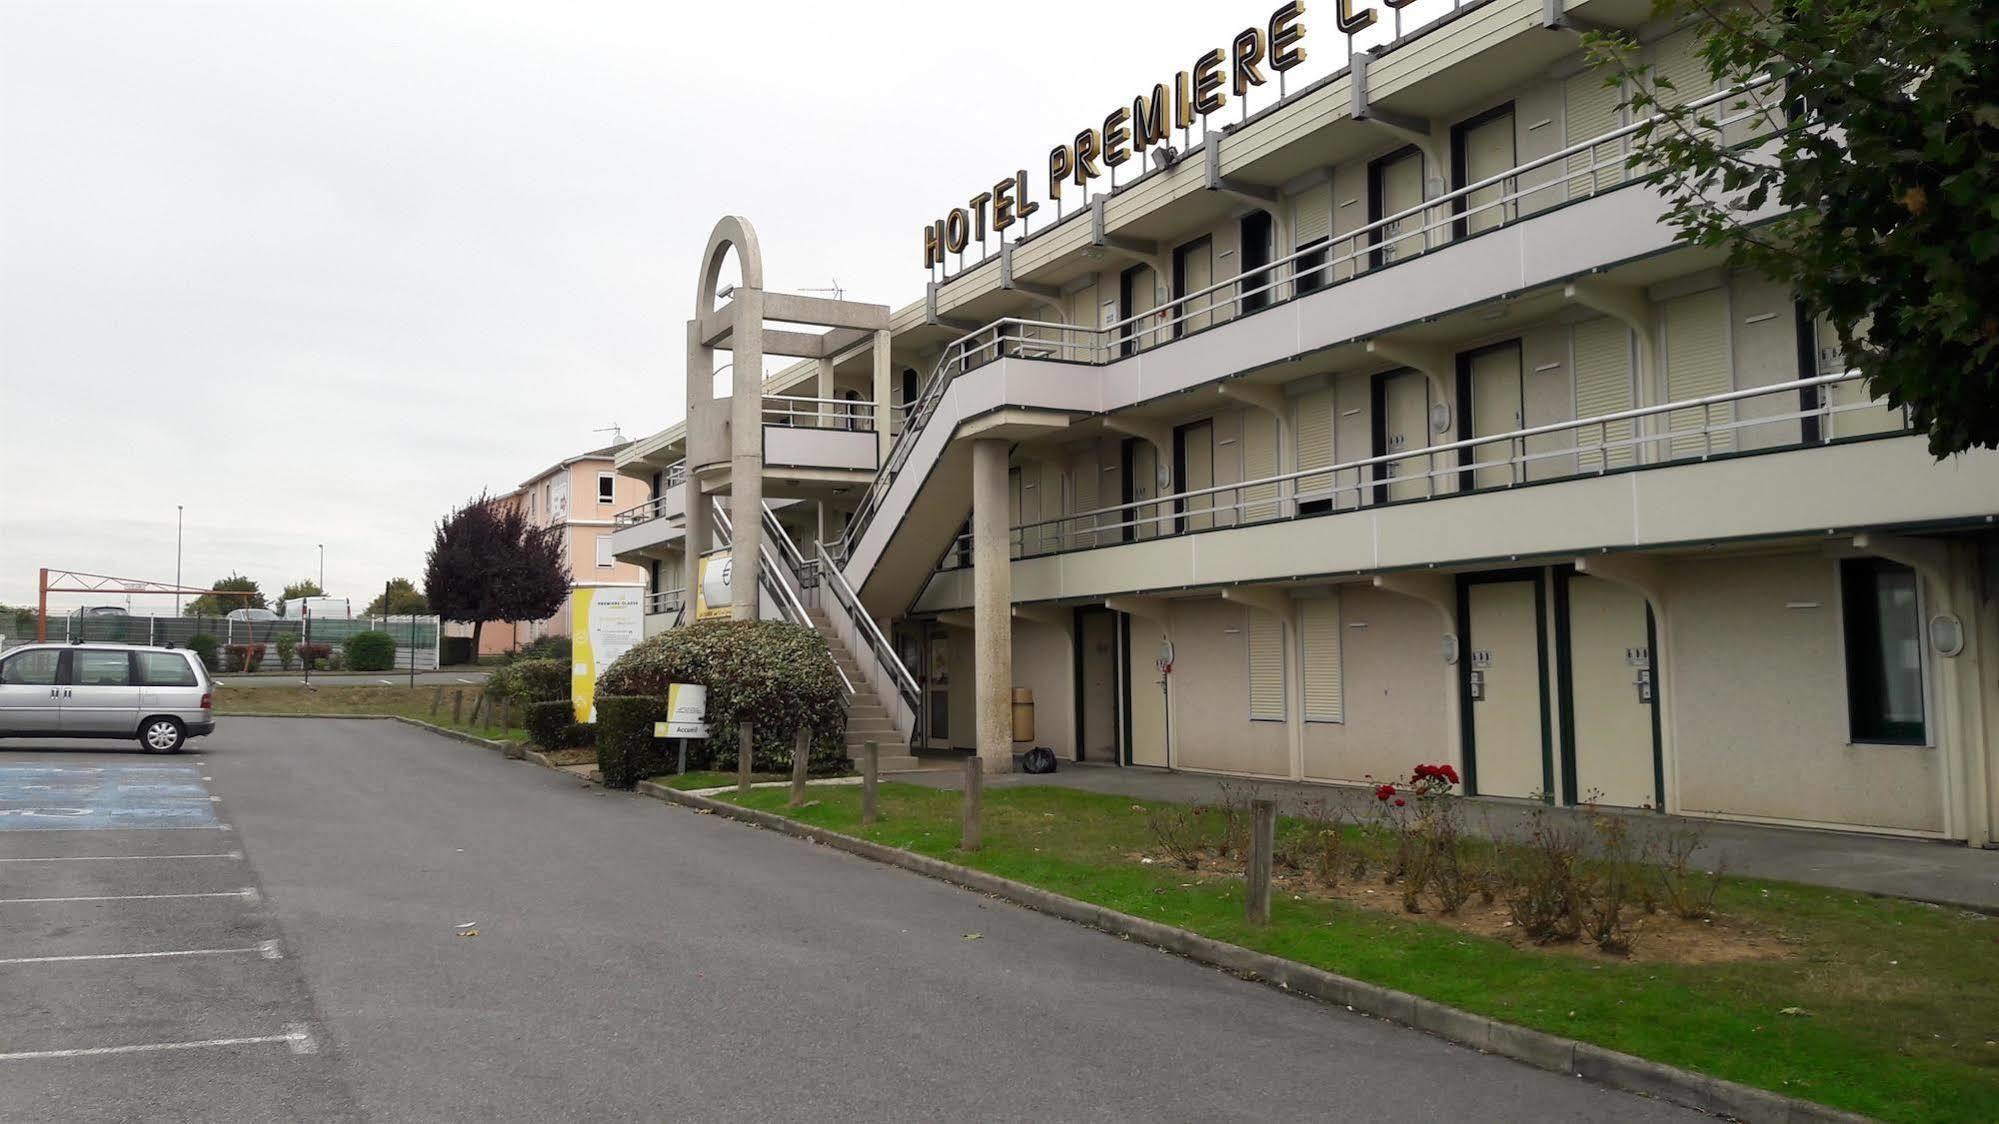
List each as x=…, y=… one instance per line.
x=76, y=581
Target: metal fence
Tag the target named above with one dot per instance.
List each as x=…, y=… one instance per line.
x=416, y=637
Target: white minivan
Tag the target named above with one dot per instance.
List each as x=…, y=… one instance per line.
x=161, y=696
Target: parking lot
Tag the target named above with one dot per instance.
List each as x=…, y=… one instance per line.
x=141, y=970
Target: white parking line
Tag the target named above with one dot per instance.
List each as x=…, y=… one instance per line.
x=246, y=893
x=269, y=950
x=236, y=855
x=464, y=680
x=296, y=1038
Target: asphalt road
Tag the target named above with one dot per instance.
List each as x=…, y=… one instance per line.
x=447, y=676
x=632, y=961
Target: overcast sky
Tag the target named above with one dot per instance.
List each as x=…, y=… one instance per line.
x=320, y=271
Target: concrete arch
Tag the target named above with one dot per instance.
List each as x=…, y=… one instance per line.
x=731, y=232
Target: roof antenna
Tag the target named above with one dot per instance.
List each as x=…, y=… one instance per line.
x=617, y=435
x=839, y=294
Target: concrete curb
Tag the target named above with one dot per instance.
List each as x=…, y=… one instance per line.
x=470, y=739
x=1545, y=1051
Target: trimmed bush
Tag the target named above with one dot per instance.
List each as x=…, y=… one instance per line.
x=315, y=655
x=456, y=650
x=553, y=725
x=205, y=646
x=245, y=657
x=371, y=651
x=287, y=649
x=778, y=676
x=627, y=753
x=530, y=681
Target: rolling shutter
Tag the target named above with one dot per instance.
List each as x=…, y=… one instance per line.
x=1591, y=110
x=1312, y=215
x=1266, y=666
x=1315, y=444
x=1603, y=386
x=1697, y=365
x=1319, y=656
x=1259, y=459
x=1677, y=60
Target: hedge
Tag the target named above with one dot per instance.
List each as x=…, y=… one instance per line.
x=245, y=657
x=553, y=725
x=530, y=681
x=778, y=676
x=627, y=753
x=204, y=646
x=371, y=651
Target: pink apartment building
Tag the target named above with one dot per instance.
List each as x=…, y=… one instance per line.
x=580, y=495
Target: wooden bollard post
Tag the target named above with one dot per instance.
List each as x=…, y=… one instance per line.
x=975, y=790
x=436, y=699
x=1262, y=842
x=745, y=749
x=801, y=750
x=457, y=705
x=870, y=777
x=478, y=704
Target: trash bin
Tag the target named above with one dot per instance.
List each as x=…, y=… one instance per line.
x=1023, y=714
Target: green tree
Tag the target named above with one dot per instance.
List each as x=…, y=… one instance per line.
x=403, y=599
x=1883, y=170
x=209, y=605
x=304, y=587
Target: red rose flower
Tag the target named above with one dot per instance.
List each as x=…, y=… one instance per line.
x=1383, y=792
x=1399, y=802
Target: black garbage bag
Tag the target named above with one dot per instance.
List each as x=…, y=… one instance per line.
x=1040, y=759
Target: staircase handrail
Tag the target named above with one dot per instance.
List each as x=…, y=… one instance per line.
x=878, y=644
x=789, y=602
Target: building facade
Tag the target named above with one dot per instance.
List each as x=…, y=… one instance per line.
x=580, y=496
x=1387, y=424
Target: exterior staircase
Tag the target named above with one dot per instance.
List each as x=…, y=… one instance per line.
x=867, y=720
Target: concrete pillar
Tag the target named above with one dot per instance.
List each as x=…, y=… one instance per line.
x=824, y=412
x=697, y=518
x=992, y=605
x=746, y=453
x=883, y=398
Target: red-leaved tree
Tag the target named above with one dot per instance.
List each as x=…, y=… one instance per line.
x=488, y=563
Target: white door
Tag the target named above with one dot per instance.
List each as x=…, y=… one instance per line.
x=1399, y=186
x=1503, y=663
x=1488, y=152
x=1608, y=683
x=1495, y=408
x=1146, y=687
x=1405, y=413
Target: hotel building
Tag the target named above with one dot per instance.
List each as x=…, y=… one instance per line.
x=1386, y=423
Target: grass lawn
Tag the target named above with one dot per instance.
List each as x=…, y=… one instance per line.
x=1900, y=1001
x=409, y=702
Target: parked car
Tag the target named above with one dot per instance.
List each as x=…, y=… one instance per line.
x=250, y=615
x=161, y=696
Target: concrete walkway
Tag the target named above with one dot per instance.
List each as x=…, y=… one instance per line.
x=1924, y=870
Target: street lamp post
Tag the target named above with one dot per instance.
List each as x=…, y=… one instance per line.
x=322, y=569
x=178, y=508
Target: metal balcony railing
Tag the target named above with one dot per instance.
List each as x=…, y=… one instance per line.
x=822, y=413
x=1689, y=430
x=674, y=477
x=1586, y=168
x=666, y=601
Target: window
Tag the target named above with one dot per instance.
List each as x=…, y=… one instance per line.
x=165, y=669
x=1884, y=651
x=97, y=667
x=607, y=487
x=604, y=550
x=31, y=669
x=1319, y=656
x=1266, y=667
